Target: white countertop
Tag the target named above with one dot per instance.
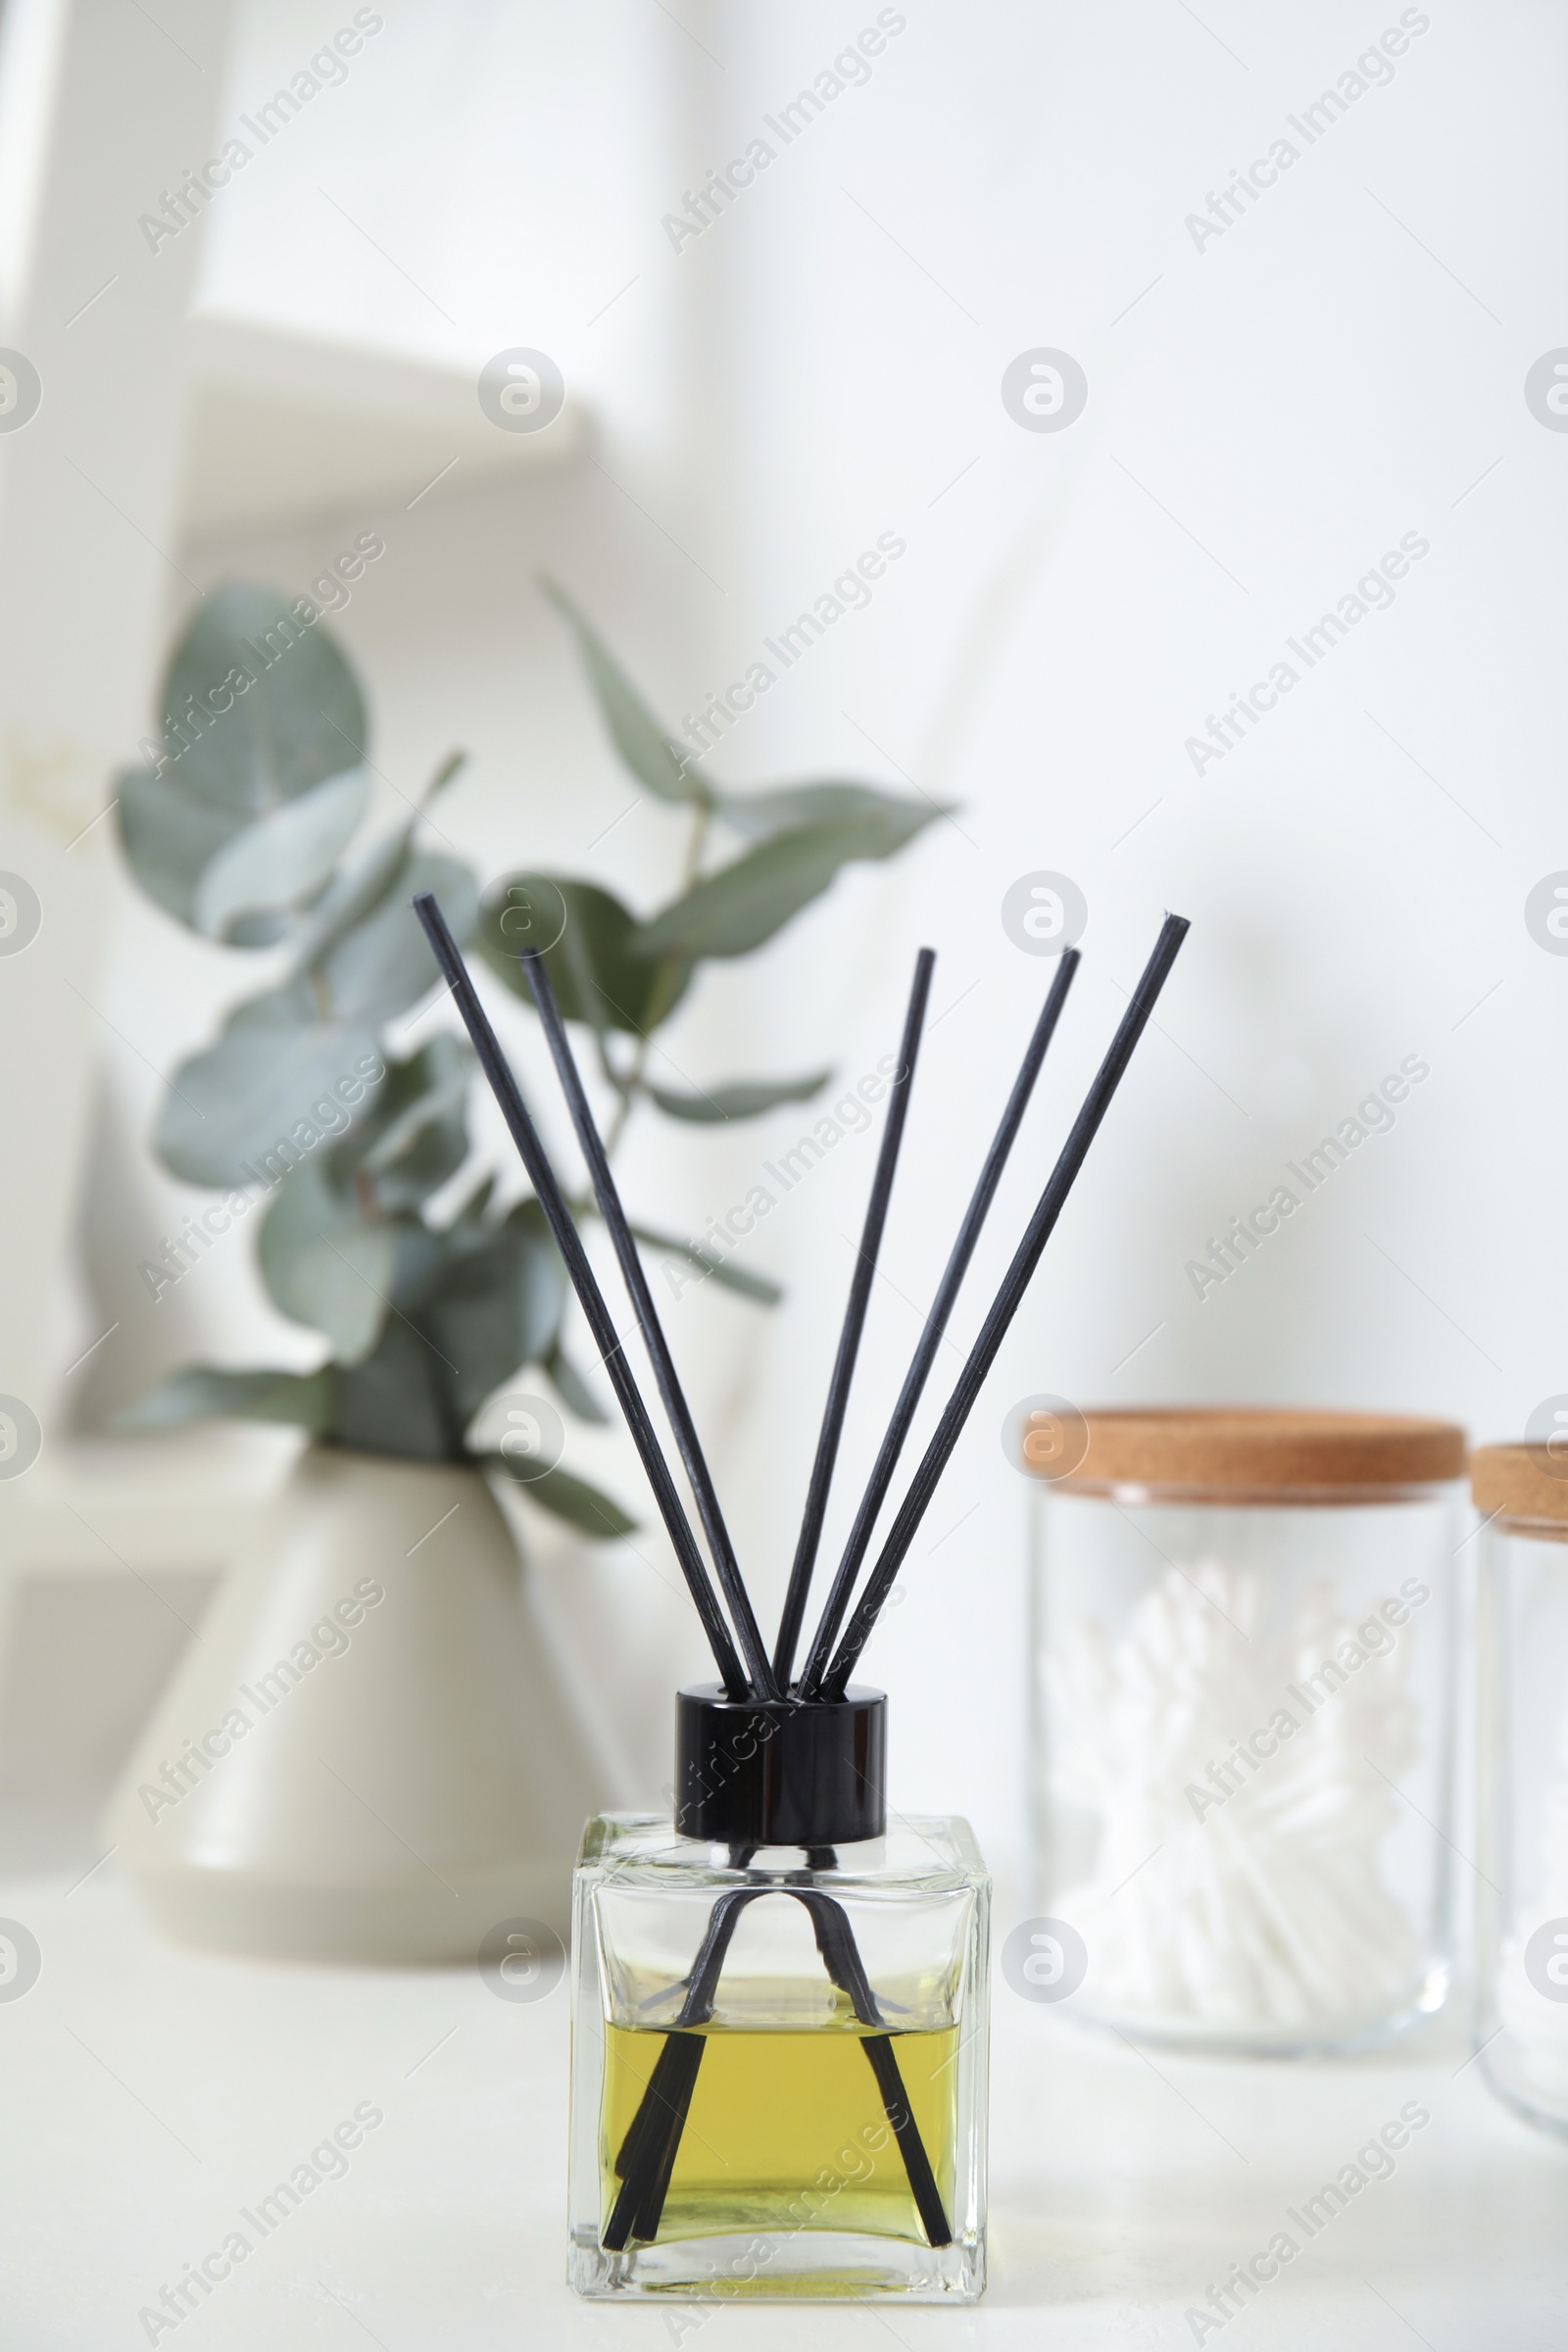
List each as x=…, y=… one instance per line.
x=150, y=2093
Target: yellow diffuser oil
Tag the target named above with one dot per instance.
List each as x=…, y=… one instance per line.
x=786, y=2130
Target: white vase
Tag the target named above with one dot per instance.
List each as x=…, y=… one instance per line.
x=365, y=1754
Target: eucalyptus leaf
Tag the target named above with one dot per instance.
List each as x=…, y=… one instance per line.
x=788, y=807
x=559, y=1492
x=171, y=836
x=206, y=1393
x=323, y=1264
x=707, y=1262
x=598, y=974
x=421, y=1263
x=496, y=1308
x=434, y=1108
x=397, y=1401
x=289, y=712
x=416, y=1135
x=476, y=1203
x=275, y=1085
x=744, y=1099
x=654, y=757
x=282, y=860
x=352, y=897
x=340, y=1287
x=383, y=965
x=742, y=904
x=571, y=1386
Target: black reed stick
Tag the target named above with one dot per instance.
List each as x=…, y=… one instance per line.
x=1016, y=1281
x=925, y=1355
x=838, y=1394
x=742, y=1614
x=648, y=2153
x=841, y=1957
x=503, y=1086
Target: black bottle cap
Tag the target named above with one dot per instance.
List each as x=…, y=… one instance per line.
x=770, y=1771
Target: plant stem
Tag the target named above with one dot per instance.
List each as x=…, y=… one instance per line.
x=618, y=1123
x=630, y=1086
x=696, y=843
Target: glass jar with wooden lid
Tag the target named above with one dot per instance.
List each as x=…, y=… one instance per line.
x=1521, y=1752
x=1243, y=1663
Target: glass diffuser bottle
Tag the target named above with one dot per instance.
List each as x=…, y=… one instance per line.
x=779, y=2024
x=779, y=2005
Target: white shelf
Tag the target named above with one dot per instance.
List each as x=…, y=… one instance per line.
x=284, y=425
x=181, y=1502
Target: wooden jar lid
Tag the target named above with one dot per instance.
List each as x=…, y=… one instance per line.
x=1516, y=1482
x=1229, y=1454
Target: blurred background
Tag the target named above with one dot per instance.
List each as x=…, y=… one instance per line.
x=1283, y=384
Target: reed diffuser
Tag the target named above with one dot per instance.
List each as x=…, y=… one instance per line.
x=780, y=2002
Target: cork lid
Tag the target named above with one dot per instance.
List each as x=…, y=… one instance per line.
x=1237, y=1454
x=1523, y=1483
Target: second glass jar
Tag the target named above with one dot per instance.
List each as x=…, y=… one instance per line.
x=1243, y=1658
x=1522, y=1746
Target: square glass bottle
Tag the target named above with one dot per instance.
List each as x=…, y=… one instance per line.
x=778, y=2048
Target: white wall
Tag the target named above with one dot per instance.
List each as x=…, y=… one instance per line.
x=1275, y=411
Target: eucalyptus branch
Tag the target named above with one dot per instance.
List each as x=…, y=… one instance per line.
x=300, y=1089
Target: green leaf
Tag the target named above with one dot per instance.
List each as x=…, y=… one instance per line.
x=598, y=974
x=652, y=755
x=416, y=1134
x=743, y=905
x=352, y=896
x=383, y=965
x=396, y=1401
x=495, y=1306
x=707, y=1261
x=294, y=715
x=341, y=1284
x=355, y=896
x=571, y=1388
x=323, y=1264
x=423, y=1256
x=570, y=1499
x=280, y=862
x=205, y=1392
x=171, y=836
x=473, y=1208
x=745, y=1100
x=277, y=1082
x=789, y=807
